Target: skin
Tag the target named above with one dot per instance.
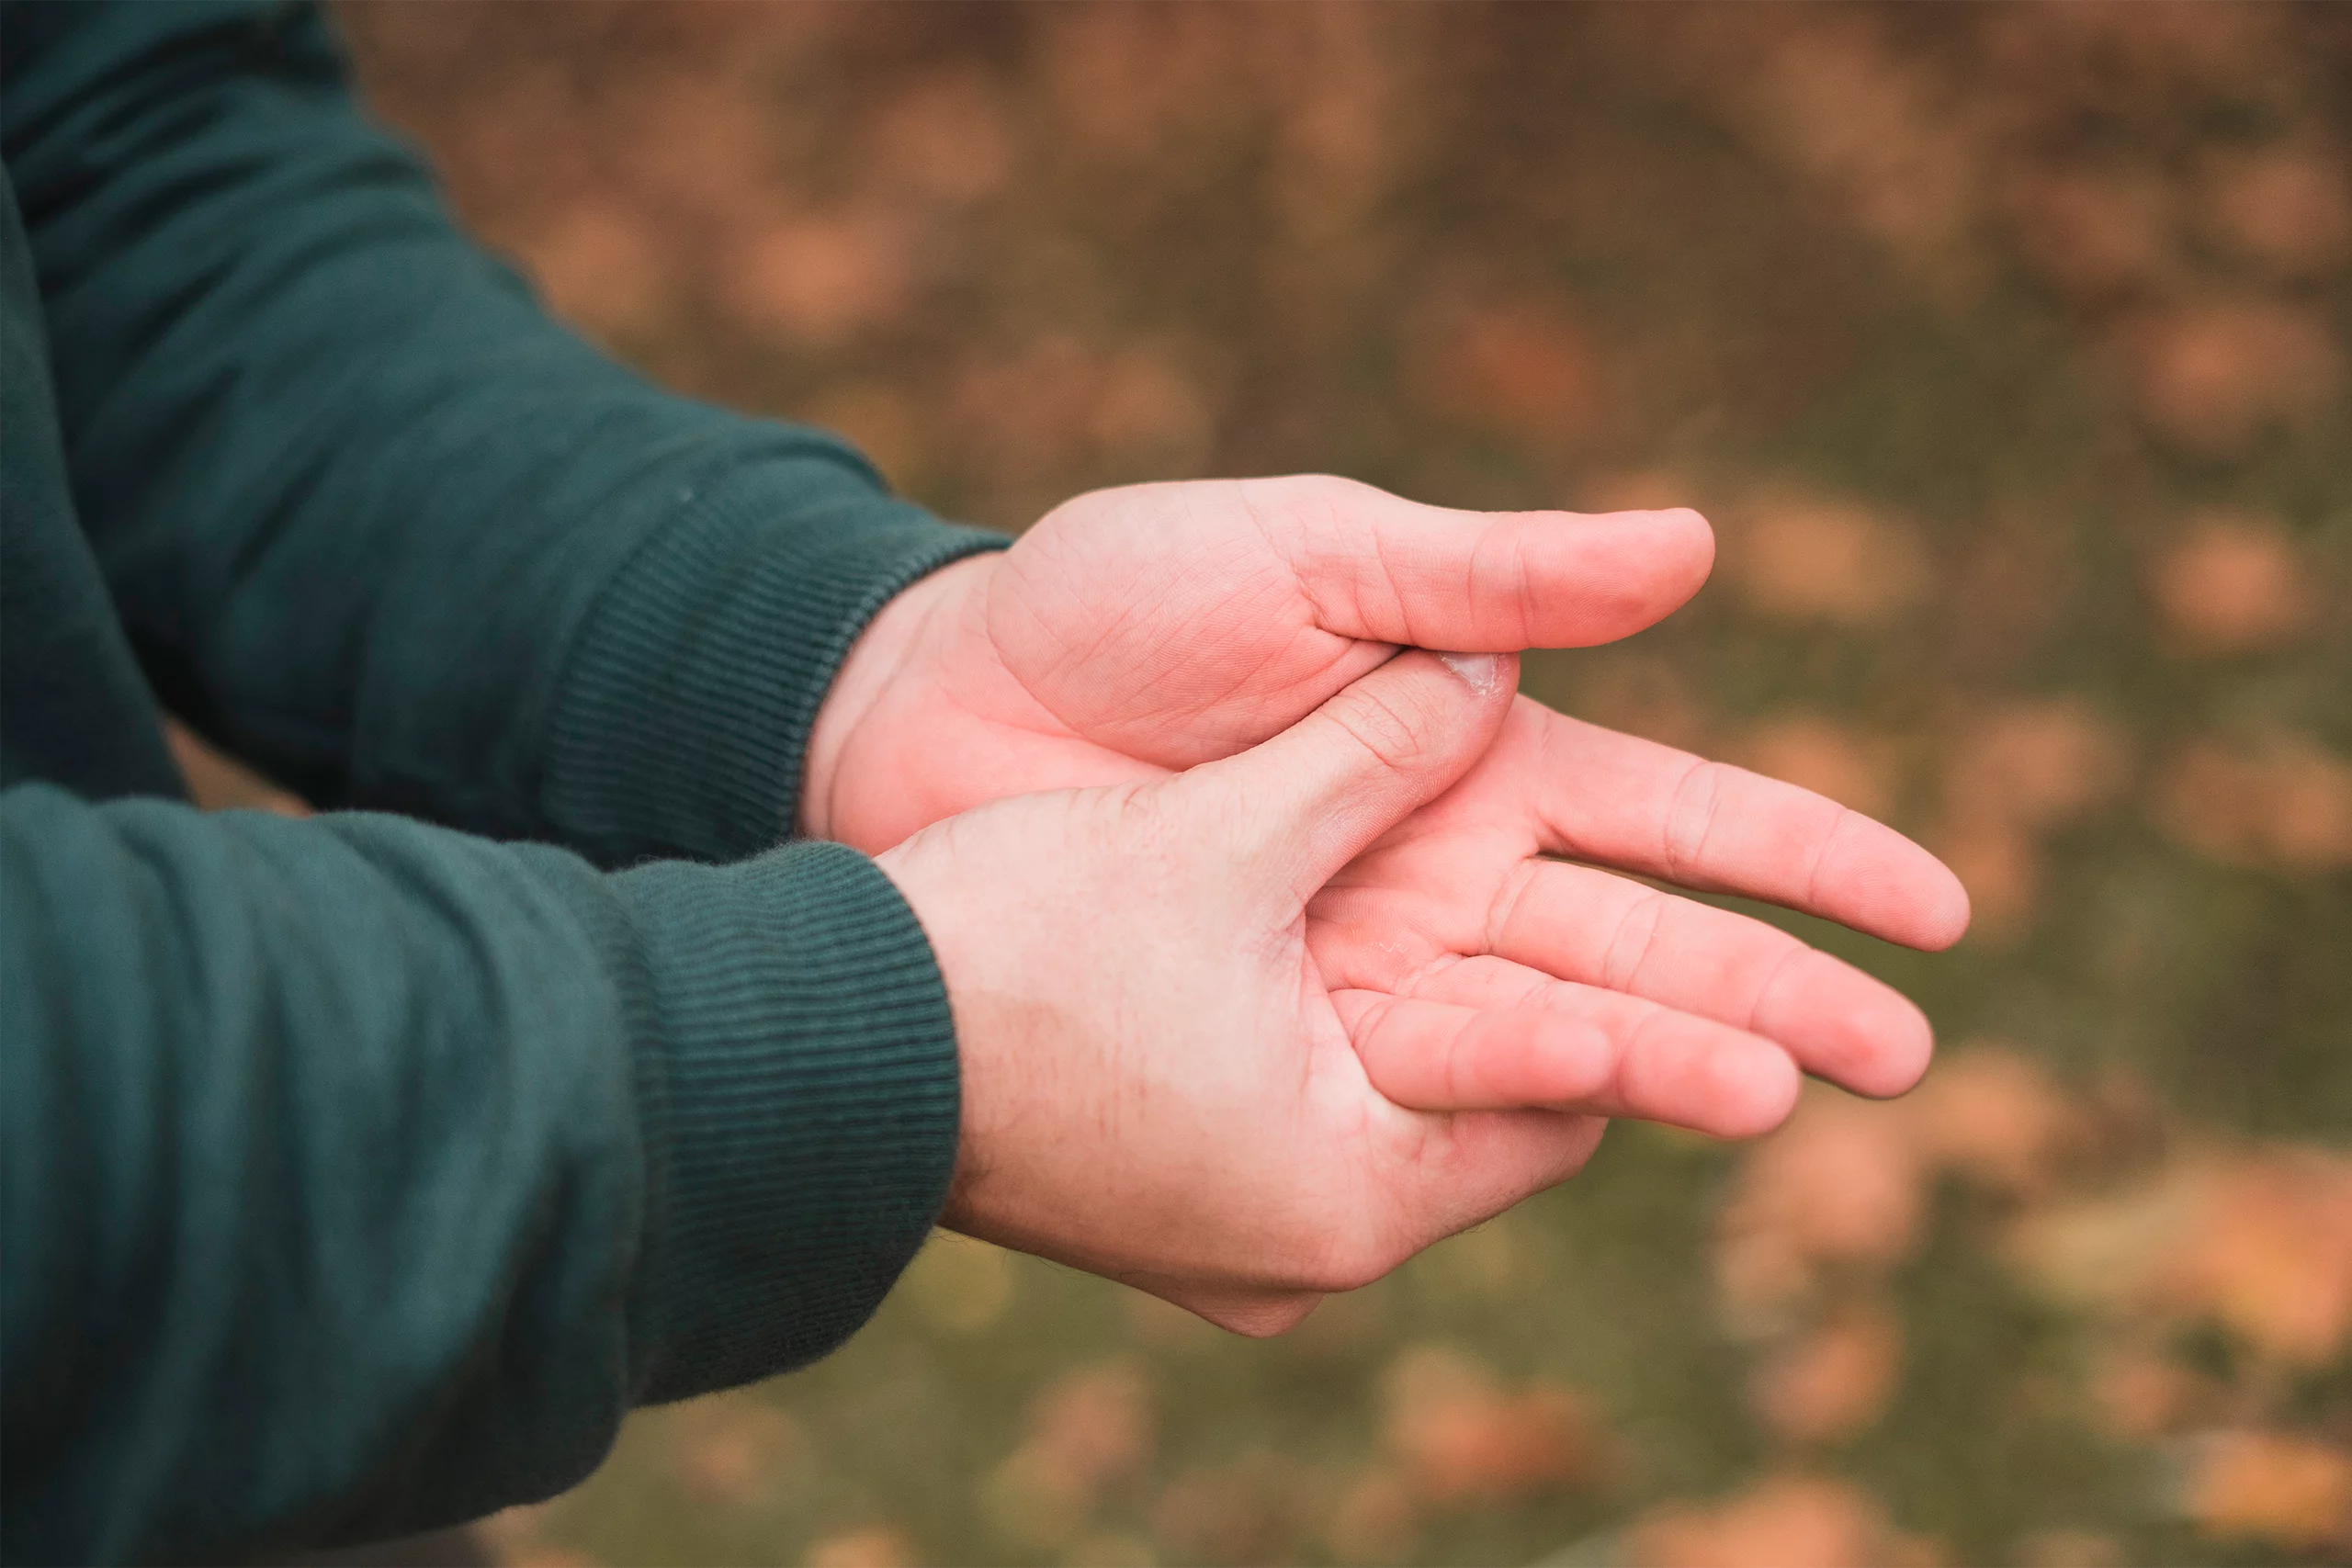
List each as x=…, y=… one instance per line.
x=1238, y=1100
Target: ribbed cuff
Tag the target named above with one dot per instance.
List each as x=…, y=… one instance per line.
x=685, y=714
x=797, y=1084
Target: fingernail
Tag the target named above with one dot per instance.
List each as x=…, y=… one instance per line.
x=1479, y=671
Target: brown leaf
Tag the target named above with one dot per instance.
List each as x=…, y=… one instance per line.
x=2096, y=235
x=1835, y=1379
x=2211, y=376
x=2285, y=209
x=2280, y=801
x=820, y=280
x=2269, y=1256
x=1522, y=368
x=875, y=1546
x=1816, y=559
x=1994, y=1114
x=599, y=267
x=1240, y=1512
x=1460, y=1436
x=945, y=137
x=1823, y=756
x=2229, y=582
x=2272, y=1487
x=1787, y=1519
x=2142, y=1395
x=1089, y=1429
x=2036, y=764
x=1839, y=1184
x=736, y=1449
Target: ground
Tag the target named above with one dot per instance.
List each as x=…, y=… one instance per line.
x=2006, y=346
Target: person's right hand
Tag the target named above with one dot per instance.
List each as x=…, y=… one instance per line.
x=1163, y=1086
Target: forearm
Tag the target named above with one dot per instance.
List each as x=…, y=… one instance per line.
x=369, y=517
x=416, y=1161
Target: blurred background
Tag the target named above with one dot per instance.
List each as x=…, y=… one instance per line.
x=2005, y=347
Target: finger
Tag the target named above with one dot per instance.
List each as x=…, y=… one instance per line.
x=1307, y=801
x=1492, y=1159
x=1649, y=808
x=1578, y=924
x=1570, y=1047
x=1378, y=566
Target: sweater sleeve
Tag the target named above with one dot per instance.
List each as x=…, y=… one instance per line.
x=371, y=518
x=357, y=1175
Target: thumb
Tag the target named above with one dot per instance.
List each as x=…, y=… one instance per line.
x=1310, y=799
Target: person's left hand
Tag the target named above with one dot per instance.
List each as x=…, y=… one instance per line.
x=1134, y=632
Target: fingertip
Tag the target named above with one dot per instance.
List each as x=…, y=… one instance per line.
x=1894, y=1043
x=1947, y=912
x=1610, y=574
x=1876, y=880
x=1751, y=1091
x=1687, y=537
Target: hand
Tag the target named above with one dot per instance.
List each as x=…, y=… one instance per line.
x=1147, y=628
x=1134, y=631
x=1158, y=1085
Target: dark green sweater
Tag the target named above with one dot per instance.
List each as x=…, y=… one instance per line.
x=361, y=1172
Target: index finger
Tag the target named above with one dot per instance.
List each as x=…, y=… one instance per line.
x=1618, y=800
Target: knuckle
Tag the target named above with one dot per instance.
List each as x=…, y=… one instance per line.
x=1394, y=729
x=1692, y=816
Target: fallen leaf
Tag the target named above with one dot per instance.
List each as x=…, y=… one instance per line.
x=1839, y=1184
x=599, y=268
x=1788, y=1521
x=1240, y=1512
x=2269, y=1255
x=1834, y=1379
x=820, y=280
x=1994, y=1114
x=2280, y=801
x=735, y=1449
x=2097, y=234
x=1817, y=558
x=2229, y=582
x=1090, y=1427
x=2289, y=1491
x=944, y=136
x=1523, y=369
x=2211, y=376
x=1460, y=1436
x=2285, y=209
x=2038, y=763
x=875, y=1546
x=2142, y=1395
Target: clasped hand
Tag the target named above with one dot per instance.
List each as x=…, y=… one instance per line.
x=1268, y=961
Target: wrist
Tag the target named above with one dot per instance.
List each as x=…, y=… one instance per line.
x=889, y=649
